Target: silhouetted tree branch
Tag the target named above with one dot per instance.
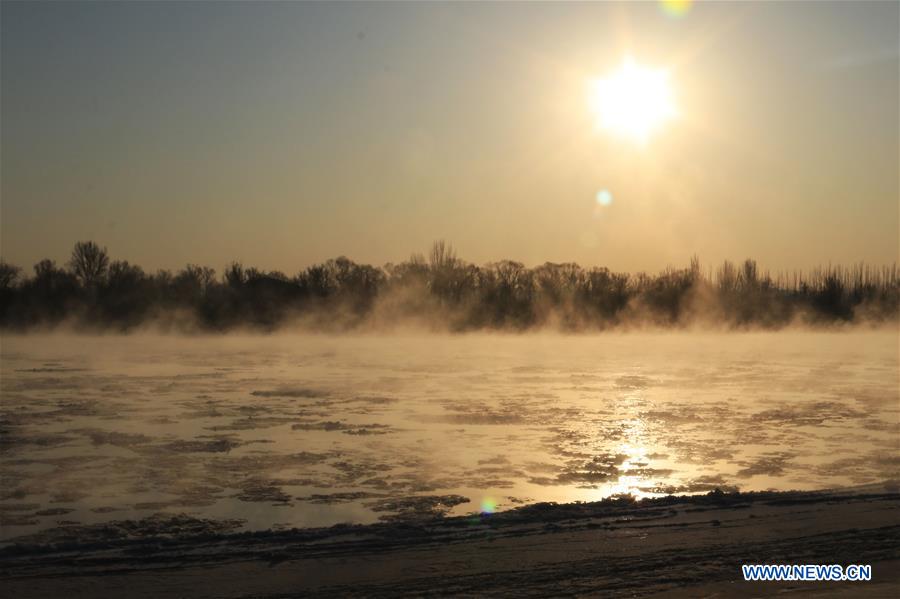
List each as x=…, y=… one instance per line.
x=444, y=291
x=89, y=262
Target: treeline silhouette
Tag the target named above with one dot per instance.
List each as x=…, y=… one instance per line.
x=440, y=291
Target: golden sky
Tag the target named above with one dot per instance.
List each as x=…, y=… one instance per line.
x=283, y=134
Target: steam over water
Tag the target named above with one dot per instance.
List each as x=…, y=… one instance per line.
x=313, y=430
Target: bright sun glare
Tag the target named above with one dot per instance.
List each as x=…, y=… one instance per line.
x=633, y=101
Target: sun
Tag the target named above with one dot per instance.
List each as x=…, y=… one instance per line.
x=633, y=102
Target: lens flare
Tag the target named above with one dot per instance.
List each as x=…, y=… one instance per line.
x=604, y=197
x=488, y=505
x=676, y=8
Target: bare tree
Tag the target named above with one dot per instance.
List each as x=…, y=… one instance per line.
x=200, y=278
x=8, y=274
x=749, y=275
x=235, y=277
x=442, y=256
x=44, y=269
x=89, y=263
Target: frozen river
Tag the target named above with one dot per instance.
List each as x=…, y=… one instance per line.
x=292, y=430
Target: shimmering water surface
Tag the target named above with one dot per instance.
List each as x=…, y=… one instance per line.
x=292, y=430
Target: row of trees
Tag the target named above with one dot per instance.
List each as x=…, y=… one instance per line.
x=441, y=291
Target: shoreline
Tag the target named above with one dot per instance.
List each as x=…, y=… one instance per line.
x=424, y=329
x=614, y=547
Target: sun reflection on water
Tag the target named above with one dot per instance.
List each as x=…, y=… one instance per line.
x=631, y=484
x=633, y=477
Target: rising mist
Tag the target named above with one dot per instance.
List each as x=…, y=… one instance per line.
x=442, y=293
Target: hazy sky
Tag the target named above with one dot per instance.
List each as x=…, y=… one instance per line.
x=287, y=133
